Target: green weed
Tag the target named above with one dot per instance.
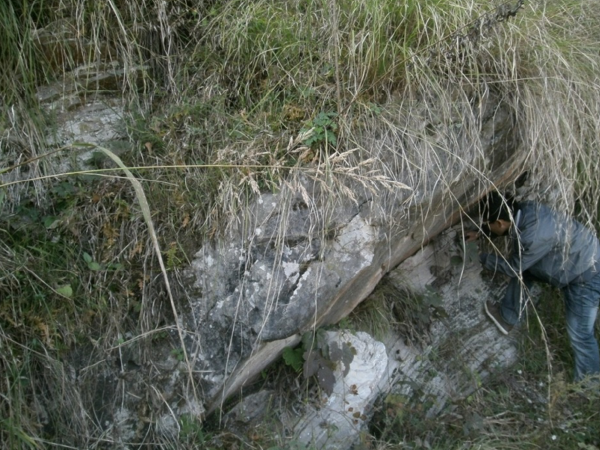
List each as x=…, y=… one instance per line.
x=293, y=357
x=323, y=130
x=193, y=433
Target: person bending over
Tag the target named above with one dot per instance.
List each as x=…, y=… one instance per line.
x=550, y=247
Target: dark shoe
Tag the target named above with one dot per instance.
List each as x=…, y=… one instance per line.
x=494, y=313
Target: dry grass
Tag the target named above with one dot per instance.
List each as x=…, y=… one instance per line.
x=224, y=108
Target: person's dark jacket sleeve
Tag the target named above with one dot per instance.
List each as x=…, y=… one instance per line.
x=549, y=246
x=518, y=262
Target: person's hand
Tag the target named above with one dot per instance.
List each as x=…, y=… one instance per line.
x=471, y=236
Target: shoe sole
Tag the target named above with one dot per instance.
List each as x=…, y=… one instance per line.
x=491, y=316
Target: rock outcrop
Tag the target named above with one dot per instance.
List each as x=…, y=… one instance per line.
x=341, y=416
x=289, y=267
x=442, y=350
x=306, y=256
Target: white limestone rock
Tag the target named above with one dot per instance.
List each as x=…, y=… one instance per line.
x=337, y=423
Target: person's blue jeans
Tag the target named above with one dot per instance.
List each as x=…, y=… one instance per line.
x=581, y=306
x=515, y=299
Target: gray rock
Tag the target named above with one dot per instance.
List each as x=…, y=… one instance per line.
x=341, y=415
x=302, y=258
x=305, y=257
x=462, y=347
x=451, y=354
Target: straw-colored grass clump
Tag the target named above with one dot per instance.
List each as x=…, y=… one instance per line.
x=225, y=100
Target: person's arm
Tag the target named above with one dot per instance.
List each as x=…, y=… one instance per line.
x=471, y=235
x=517, y=262
x=516, y=296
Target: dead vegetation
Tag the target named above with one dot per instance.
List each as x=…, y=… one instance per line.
x=230, y=99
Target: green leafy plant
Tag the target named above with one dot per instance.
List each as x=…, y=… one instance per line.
x=293, y=357
x=92, y=265
x=65, y=290
x=323, y=130
x=193, y=432
x=178, y=354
